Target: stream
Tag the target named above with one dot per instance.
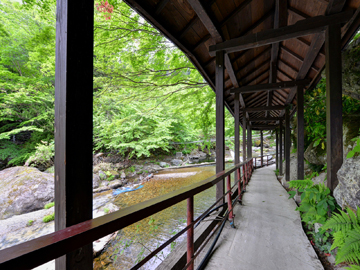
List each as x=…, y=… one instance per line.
x=134, y=242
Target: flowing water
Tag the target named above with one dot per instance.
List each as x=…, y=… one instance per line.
x=134, y=242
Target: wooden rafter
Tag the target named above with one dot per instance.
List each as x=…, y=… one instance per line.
x=270, y=86
x=265, y=108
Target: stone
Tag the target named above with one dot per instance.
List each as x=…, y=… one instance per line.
x=315, y=155
x=23, y=190
x=164, y=164
x=151, y=168
x=122, y=175
x=115, y=174
x=179, y=155
x=257, y=143
x=317, y=226
x=115, y=184
x=102, y=175
x=50, y=170
x=176, y=162
x=266, y=145
x=347, y=192
x=103, y=166
x=96, y=181
x=320, y=178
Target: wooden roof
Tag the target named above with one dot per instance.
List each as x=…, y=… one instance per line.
x=195, y=25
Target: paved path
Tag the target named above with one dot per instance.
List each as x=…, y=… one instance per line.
x=268, y=232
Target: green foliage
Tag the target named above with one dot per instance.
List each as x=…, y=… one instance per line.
x=356, y=148
x=29, y=223
x=315, y=201
x=49, y=205
x=43, y=154
x=322, y=240
x=106, y=210
x=277, y=171
x=346, y=227
x=49, y=218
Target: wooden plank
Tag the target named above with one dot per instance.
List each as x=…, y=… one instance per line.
x=188, y=27
x=269, y=86
x=296, y=56
x=334, y=133
x=264, y=108
x=160, y=6
x=287, y=144
x=203, y=40
x=301, y=28
x=300, y=133
x=281, y=148
x=237, y=131
x=263, y=126
x=236, y=11
x=254, y=69
x=73, y=176
x=243, y=82
x=220, y=123
x=264, y=52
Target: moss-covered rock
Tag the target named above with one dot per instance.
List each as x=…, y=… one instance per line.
x=23, y=190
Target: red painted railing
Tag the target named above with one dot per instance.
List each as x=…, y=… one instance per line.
x=43, y=249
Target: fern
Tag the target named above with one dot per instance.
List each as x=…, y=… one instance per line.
x=346, y=236
x=301, y=184
x=353, y=267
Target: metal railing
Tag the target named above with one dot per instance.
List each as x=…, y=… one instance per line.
x=45, y=248
x=262, y=160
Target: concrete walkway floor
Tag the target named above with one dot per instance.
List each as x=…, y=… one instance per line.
x=268, y=233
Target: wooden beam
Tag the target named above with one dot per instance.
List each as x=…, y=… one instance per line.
x=160, y=6
x=264, y=52
x=270, y=86
x=262, y=147
x=220, y=123
x=264, y=126
x=203, y=40
x=334, y=121
x=266, y=119
x=301, y=28
x=244, y=137
x=251, y=71
x=287, y=144
x=73, y=176
x=265, y=108
x=300, y=133
x=243, y=82
x=277, y=150
x=298, y=12
x=249, y=141
x=281, y=148
x=335, y=6
x=296, y=56
x=237, y=131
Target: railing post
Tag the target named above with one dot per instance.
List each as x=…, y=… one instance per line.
x=190, y=232
x=231, y=214
x=267, y=160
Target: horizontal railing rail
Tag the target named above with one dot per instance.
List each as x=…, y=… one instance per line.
x=262, y=159
x=38, y=251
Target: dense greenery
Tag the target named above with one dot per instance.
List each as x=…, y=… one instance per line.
x=146, y=92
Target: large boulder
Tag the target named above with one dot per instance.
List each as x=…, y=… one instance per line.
x=23, y=190
x=176, y=162
x=315, y=155
x=347, y=192
x=293, y=167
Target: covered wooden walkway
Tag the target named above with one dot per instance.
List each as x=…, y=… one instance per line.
x=268, y=233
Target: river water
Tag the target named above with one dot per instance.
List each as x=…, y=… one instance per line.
x=135, y=241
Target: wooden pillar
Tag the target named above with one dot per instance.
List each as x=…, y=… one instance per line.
x=249, y=141
x=262, y=146
x=237, y=131
x=281, y=149
x=220, y=120
x=287, y=144
x=244, y=137
x=334, y=133
x=277, y=150
x=300, y=132
x=73, y=123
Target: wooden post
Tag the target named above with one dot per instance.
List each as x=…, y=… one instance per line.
x=281, y=149
x=334, y=133
x=277, y=150
x=190, y=232
x=220, y=128
x=249, y=142
x=287, y=144
x=237, y=131
x=73, y=123
x=244, y=136
x=300, y=133
x=262, y=146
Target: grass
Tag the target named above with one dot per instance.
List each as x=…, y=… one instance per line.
x=29, y=223
x=49, y=218
x=49, y=205
x=106, y=210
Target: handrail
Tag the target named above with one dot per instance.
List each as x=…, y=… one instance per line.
x=48, y=247
x=267, y=159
